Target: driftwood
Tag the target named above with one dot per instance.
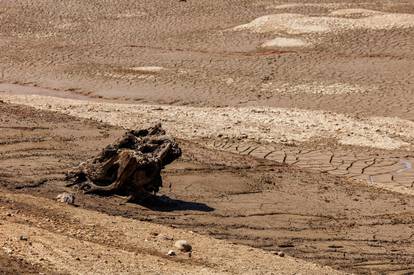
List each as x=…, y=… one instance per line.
x=129, y=167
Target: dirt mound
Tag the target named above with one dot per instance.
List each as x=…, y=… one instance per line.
x=292, y=23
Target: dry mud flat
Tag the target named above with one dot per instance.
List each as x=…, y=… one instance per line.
x=40, y=235
x=342, y=56
x=376, y=150
x=316, y=110
x=261, y=203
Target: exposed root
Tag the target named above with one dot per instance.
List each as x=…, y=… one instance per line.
x=129, y=167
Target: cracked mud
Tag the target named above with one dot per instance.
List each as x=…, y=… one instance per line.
x=296, y=122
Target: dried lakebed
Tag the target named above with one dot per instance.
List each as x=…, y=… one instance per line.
x=270, y=133
x=314, y=216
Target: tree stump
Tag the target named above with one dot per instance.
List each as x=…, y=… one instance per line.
x=129, y=167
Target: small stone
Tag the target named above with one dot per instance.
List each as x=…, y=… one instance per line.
x=7, y=250
x=171, y=253
x=68, y=198
x=229, y=81
x=183, y=245
x=23, y=238
x=281, y=254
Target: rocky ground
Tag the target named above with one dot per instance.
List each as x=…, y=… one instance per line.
x=295, y=119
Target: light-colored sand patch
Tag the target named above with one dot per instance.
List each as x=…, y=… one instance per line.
x=130, y=73
x=67, y=25
x=125, y=75
x=148, y=69
x=292, y=23
x=261, y=124
x=35, y=35
x=127, y=15
x=300, y=5
x=283, y=42
x=284, y=23
x=314, y=88
x=356, y=12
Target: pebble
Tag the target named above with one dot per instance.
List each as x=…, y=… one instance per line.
x=281, y=254
x=171, y=253
x=183, y=245
x=23, y=238
x=7, y=250
x=68, y=198
x=229, y=81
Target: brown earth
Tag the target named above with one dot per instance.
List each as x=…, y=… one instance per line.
x=92, y=49
x=245, y=200
x=311, y=154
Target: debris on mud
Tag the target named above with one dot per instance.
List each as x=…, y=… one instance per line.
x=171, y=253
x=183, y=245
x=68, y=198
x=129, y=167
x=23, y=238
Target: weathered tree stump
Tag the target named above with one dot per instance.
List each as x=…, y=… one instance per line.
x=129, y=167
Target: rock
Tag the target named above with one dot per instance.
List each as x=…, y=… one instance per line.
x=281, y=254
x=183, y=245
x=229, y=81
x=171, y=253
x=68, y=198
x=7, y=250
x=23, y=238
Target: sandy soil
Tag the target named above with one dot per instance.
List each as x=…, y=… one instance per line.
x=296, y=120
x=67, y=240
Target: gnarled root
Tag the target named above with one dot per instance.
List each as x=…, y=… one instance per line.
x=129, y=167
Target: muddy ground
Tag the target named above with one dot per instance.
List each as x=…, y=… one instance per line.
x=101, y=49
x=296, y=120
x=261, y=203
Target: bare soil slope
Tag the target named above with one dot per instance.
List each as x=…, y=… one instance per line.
x=261, y=203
